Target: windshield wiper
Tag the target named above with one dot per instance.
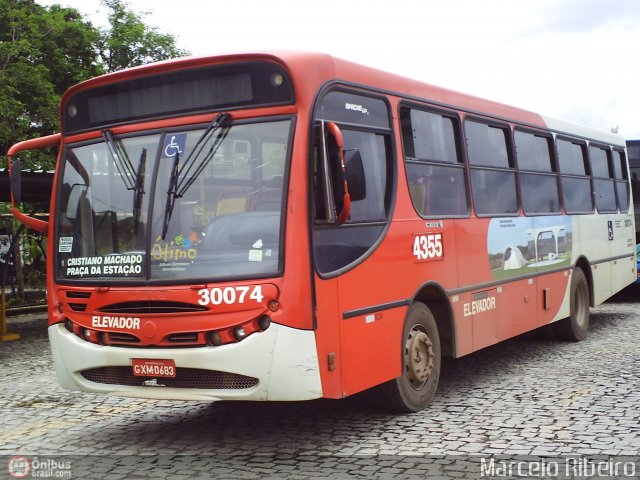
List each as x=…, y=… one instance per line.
x=189, y=170
x=138, y=190
x=172, y=194
x=120, y=160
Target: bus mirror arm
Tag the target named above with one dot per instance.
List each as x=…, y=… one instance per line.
x=16, y=179
x=344, y=213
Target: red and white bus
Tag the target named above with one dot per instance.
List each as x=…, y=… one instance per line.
x=294, y=226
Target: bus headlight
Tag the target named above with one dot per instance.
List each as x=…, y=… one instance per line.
x=240, y=333
x=214, y=338
x=264, y=322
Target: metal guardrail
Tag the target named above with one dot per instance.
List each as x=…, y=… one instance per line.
x=25, y=309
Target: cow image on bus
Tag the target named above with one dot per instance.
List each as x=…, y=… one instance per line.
x=292, y=226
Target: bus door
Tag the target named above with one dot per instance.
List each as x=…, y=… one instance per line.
x=352, y=178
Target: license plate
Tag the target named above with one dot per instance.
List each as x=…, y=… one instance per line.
x=145, y=367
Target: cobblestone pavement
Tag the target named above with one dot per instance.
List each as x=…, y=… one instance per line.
x=528, y=397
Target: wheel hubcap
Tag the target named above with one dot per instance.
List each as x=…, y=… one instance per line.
x=419, y=357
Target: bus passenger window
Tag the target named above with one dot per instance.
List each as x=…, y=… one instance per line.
x=435, y=172
x=538, y=181
x=622, y=185
x=574, y=175
x=603, y=183
x=493, y=178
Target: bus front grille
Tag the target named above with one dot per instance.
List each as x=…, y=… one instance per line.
x=185, y=378
x=77, y=294
x=78, y=307
x=120, y=338
x=151, y=307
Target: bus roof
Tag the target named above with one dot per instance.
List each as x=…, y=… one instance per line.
x=322, y=68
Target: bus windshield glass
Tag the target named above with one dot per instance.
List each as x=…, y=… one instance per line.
x=174, y=206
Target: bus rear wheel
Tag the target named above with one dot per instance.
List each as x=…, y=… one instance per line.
x=574, y=328
x=416, y=387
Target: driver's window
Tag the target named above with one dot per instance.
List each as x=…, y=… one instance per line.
x=364, y=126
x=328, y=185
x=372, y=149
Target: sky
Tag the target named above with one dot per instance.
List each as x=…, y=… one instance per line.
x=577, y=60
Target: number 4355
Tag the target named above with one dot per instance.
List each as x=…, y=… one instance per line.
x=428, y=247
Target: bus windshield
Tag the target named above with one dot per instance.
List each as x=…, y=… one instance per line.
x=223, y=220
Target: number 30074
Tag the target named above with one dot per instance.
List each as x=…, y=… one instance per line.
x=428, y=247
x=230, y=295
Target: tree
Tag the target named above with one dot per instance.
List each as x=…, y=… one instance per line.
x=46, y=50
x=43, y=51
x=128, y=42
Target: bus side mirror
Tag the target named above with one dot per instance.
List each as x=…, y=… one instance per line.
x=16, y=181
x=16, y=178
x=355, y=175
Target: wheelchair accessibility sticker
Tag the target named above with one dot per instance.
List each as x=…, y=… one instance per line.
x=174, y=145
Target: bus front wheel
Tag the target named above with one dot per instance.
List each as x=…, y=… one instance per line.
x=416, y=387
x=574, y=328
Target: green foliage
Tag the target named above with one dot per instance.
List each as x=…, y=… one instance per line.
x=43, y=52
x=128, y=42
x=33, y=248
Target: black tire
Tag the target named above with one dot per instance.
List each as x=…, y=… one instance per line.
x=416, y=387
x=574, y=328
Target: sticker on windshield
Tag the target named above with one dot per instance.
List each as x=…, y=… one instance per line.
x=65, y=244
x=177, y=254
x=118, y=265
x=174, y=145
x=255, y=255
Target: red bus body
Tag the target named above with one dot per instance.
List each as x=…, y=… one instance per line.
x=311, y=331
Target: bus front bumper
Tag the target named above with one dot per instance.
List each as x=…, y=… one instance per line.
x=283, y=360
